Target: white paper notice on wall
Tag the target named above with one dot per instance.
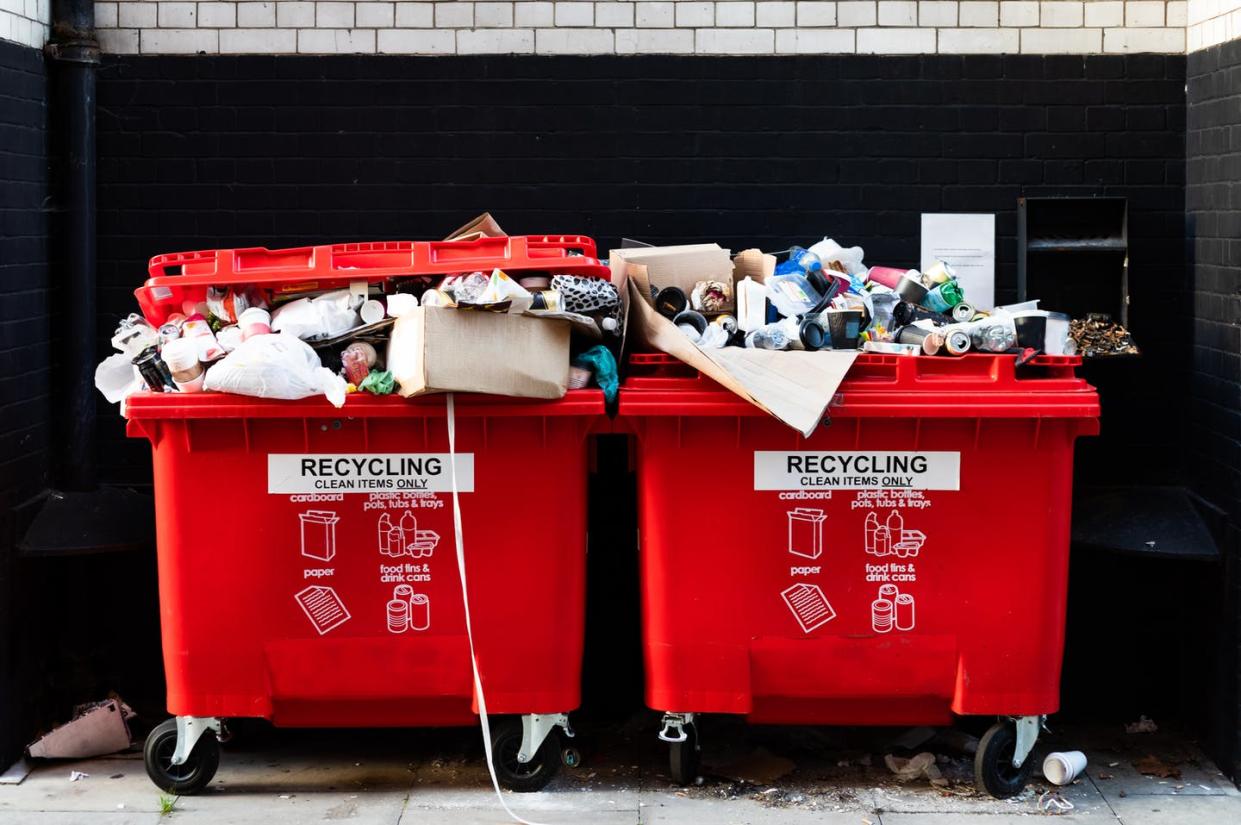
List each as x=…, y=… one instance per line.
x=966, y=242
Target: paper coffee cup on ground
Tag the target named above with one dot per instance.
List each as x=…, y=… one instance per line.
x=1063, y=768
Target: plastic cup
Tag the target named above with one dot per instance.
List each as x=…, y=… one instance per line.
x=1057, y=339
x=671, y=301
x=372, y=312
x=254, y=321
x=911, y=290
x=1031, y=329
x=844, y=325
x=693, y=319
x=1063, y=767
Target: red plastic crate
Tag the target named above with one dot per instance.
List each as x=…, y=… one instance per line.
x=177, y=277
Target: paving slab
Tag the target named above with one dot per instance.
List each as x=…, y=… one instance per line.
x=224, y=808
x=495, y=816
x=1098, y=818
x=1179, y=810
x=80, y=818
x=671, y=809
x=113, y=781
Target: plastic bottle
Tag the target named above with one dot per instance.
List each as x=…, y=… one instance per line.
x=751, y=304
x=769, y=336
x=872, y=524
x=385, y=529
x=896, y=526
x=409, y=529
x=354, y=360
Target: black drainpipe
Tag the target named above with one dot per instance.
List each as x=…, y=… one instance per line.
x=78, y=516
x=74, y=55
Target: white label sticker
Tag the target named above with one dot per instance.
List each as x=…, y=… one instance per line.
x=858, y=470
x=367, y=473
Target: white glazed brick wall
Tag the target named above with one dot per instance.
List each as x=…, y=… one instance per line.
x=657, y=26
x=25, y=21
x=1210, y=22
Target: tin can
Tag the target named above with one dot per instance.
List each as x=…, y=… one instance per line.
x=154, y=371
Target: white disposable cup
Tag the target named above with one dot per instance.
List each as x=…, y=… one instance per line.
x=372, y=311
x=1063, y=768
x=254, y=321
x=180, y=354
x=195, y=385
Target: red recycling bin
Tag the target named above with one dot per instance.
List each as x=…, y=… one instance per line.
x=905, y=564
x=308, y=572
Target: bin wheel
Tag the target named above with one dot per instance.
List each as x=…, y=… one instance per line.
x=993, y=764
x=571, y=757
x=181, y=780
x=684, y=758
x=533, y=775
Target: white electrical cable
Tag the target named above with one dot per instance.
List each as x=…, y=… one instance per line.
x=465, y=602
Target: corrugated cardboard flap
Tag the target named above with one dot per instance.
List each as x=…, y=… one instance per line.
x=434, y=349
x=795, y=387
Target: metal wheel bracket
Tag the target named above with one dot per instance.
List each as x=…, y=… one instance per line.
x=674, y=727
x=1027, y=734
x=189, y=730
x=535, y=728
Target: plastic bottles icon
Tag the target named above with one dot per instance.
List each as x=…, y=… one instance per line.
x=385, y=533
x=409, y=530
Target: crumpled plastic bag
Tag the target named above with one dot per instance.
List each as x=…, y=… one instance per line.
x=828, y=250
x=319, y=318
x=275, y=366
x=378, y=383
x=117, y=378
x=603, y=363
x=915, y=767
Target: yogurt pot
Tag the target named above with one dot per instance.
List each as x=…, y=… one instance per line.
x=254, y=321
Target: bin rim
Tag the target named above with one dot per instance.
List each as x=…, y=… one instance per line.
x=148, y=406
x=987, y=386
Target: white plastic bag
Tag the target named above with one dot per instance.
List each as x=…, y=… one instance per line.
x=316, y=319
x=275, y=366
x=828, y=250
x=117, y=378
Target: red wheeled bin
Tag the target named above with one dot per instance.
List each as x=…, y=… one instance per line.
x=905, y=564
x=307, y=556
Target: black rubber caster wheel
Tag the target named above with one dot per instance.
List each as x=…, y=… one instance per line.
x=531, y=776
x=571, y=757
x=685, y=758
x=993, y=764
x=182, y=780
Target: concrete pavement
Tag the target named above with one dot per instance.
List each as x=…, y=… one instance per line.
x=751, y=777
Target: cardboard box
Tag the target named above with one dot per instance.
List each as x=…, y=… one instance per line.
x=436, y=349
x=795, y=387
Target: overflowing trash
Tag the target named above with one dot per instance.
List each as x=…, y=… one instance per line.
x=825, y=298
x=310, y=333
x=1098, y=335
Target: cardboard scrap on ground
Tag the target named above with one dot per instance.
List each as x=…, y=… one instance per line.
x=793, y=386
x=98, y=729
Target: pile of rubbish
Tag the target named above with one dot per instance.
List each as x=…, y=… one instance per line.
x=824, y=297
x=266, y=343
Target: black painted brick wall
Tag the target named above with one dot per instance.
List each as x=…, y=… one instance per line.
x=1213, y=216
x=1213, y=207
x=24, y=348
x=203, y=152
